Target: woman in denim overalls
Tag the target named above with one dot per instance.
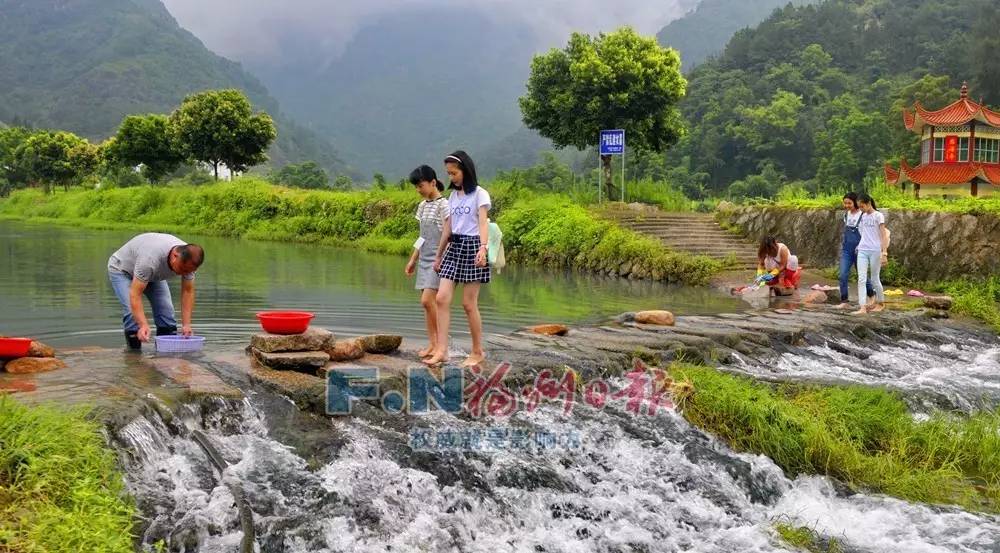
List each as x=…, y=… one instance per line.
x=849, y=247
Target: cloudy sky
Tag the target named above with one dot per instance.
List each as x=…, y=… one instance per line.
x=261, y=30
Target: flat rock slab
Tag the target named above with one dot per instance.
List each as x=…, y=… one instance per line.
x=304, y=361
x=31, y=365
x=197, y=379
x=938, y=302
x=346, y=350
x=305, y=390
x=314, y=339
x=380, y=343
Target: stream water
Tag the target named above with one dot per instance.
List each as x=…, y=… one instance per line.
x=618, y=482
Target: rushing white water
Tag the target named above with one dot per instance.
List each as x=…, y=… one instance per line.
x=635, y=483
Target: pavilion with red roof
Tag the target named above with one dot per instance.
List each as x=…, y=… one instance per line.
x=960, y=150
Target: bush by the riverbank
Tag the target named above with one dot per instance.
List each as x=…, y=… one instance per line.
x=545, y=229
x=887, y=197
x=864, y=437
x=59, y=487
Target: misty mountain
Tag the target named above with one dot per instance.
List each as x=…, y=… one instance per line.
x=82, y=65
x=412, y=86
x=705, y=31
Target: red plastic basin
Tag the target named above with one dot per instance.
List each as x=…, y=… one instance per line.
x=285, y=322
x=14, y=347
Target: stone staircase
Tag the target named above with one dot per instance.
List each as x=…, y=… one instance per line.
x=694, y=233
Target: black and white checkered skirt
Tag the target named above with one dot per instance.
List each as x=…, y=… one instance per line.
x=459, y=263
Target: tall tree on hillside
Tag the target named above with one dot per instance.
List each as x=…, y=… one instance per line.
x=220, y=127
x=146, y=140
x=12, y=174
x=59, y=157
x=619, y=80
x=985, y=60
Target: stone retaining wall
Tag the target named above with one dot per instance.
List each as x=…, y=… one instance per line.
x=928, y=245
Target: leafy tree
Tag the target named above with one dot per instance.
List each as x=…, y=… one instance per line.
x=343, y=182
x=146, y=140
x=219, y=126
x=12, y=174
x=854, y=143
x=617, y=80
x=985, y=61
x=378, y=181
x=303, y=175
x=772, y=130
x=56, y=157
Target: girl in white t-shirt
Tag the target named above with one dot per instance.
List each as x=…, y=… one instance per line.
x=872, y=253
x=461, y=256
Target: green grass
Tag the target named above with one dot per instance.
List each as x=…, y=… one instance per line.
x=806, y=539
x=864, y=437
x=553, y=231
x=888, y=197
x=539, y=229
x=59, y=486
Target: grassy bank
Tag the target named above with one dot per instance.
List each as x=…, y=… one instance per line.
x=543, y=229
x=887, y=197
x=59, y=488
x=864, y=437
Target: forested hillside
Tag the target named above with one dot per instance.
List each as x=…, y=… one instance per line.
x=82, y=65
x=814, y=93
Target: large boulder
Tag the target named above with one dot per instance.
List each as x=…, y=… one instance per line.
x=660, y=318
x=314, y=339
x=39, y=349
x=31, y=365
x=942, y=303
x=302, y=361
x=380, y=343
x=346, y=350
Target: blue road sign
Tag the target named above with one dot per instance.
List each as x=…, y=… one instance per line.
x=613, y=142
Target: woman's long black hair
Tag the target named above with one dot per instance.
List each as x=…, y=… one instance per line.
x=867, y=199
x=853, y=196
x=768, y=247
x=464, y=162
x=425, y=173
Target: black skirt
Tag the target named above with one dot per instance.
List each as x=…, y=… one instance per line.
x=459, y=263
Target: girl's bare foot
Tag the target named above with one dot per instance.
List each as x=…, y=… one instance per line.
x=436, y=358
x=426, y=352
x=844, y=305
x=862, y=311
x=474, y=360
x=877, y=307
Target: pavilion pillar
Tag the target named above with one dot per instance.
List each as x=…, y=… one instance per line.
x=975, y=187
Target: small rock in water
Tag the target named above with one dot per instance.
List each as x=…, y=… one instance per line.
x=346, y=350
x=816, y=296
x=31, y=365
x=661, y=318
x=39, y=349
x=306, y=361
x=314, y=339
x=550, y=329
x=380, y=343
x=14, y=386
x=938, y=302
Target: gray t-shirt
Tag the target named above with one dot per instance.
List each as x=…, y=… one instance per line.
x=146, y=257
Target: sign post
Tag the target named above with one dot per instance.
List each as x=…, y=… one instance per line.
x=612, y=143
